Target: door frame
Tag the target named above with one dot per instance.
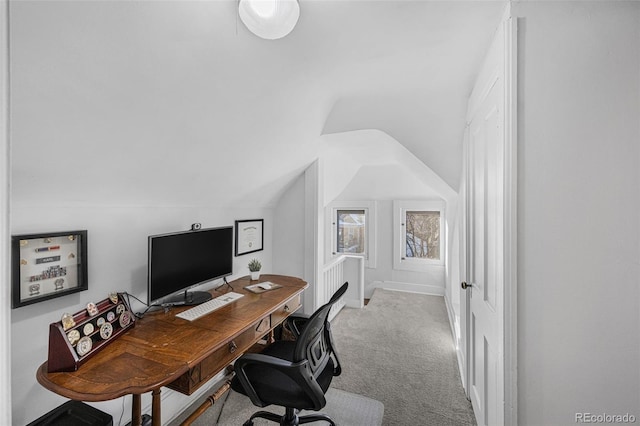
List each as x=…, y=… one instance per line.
x=510, y=241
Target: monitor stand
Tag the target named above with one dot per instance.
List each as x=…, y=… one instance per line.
x=188, y=298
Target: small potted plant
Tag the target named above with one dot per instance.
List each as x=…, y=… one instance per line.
x=254, y=268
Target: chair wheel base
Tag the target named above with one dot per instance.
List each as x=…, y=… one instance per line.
x=291, y=418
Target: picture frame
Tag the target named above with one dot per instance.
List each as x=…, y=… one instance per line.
x=48, y=265
x=249, y=236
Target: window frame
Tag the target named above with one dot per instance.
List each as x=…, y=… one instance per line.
x=331, y=232
x=400, y=261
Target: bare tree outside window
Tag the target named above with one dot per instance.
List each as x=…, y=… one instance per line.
x=423, y=234
x=351, y=231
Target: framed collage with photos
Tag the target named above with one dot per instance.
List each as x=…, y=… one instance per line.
x=45, y=266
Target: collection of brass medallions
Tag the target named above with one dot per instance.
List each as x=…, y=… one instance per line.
x=100, y=326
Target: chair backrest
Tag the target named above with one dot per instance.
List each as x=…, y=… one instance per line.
x=314, y=343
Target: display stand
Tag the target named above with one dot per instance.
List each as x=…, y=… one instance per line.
x=92, y=329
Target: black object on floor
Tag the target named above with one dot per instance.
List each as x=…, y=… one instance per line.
x=74, y=413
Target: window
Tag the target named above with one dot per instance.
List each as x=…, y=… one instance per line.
x=418, y=234
x=351, y=230
x=422, y=234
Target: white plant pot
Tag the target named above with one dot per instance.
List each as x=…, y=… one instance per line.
x=255, y=276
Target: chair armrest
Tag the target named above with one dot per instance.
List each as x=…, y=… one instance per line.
x=299, y=372
x=301, y=317
x=337, y=368
x=295, y=323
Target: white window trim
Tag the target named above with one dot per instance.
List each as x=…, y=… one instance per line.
x=369, y=208
x=400, y=262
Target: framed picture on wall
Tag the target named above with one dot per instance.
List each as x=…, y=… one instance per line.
x=45, y=266
x=249, y=236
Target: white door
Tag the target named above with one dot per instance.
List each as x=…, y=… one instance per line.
x=485, y=224
x=485, y=255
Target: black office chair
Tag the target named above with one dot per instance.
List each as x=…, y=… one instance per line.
x=293, y=374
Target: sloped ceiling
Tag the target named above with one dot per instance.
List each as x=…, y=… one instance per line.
x=371, y=165
x=175, y=102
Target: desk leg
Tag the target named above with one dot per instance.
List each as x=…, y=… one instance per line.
x=155, y=408
x=136, y=410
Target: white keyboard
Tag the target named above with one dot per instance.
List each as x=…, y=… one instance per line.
x=209, y=306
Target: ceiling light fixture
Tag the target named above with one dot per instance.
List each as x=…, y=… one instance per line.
x=269, y=19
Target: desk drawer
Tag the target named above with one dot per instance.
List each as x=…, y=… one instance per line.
x=213, y=364
x=286, y=309
x=210, y=366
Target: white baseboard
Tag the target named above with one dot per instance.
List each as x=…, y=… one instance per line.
x=452, y=318
x=456, y=338
x=354, y=303
x=409, y=287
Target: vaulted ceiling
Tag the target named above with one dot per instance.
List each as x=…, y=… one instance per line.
x=176, y=102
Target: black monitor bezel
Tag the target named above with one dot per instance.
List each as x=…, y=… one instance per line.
x=190, y=286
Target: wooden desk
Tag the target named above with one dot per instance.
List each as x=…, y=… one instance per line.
x=162, y=350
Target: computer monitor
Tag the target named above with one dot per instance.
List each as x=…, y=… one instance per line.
x=182, y=260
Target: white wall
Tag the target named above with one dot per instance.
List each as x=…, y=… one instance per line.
x=288, y=231
x=384, y=275
x=579, y=198
x=117, y=261
x=383, y=184
x=5, y=177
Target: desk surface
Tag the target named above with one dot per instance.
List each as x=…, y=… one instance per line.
x=161, y=347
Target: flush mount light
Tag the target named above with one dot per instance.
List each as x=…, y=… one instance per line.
x=269, y=19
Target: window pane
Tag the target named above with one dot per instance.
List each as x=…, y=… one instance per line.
x=351, y=231
x=423, y=234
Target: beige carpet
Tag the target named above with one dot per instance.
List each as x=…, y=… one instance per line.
x=398, y=350
x=345, y=408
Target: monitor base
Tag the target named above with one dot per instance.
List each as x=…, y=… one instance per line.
x=188, y=298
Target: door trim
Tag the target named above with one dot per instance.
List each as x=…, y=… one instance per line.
x=510, y=225
x=511, y=221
